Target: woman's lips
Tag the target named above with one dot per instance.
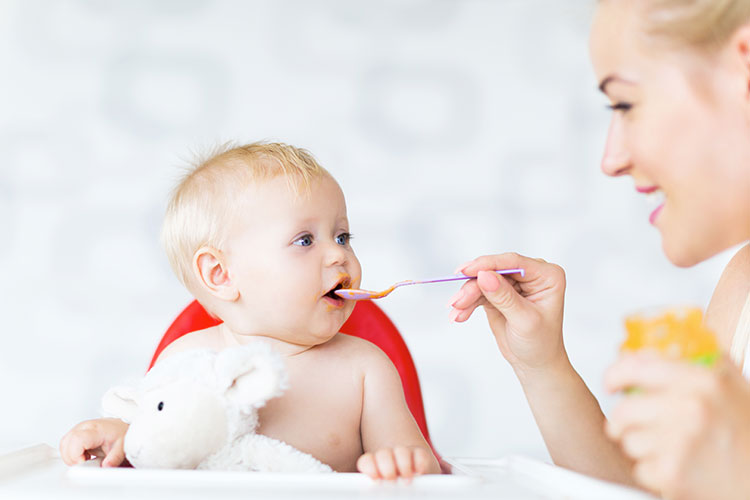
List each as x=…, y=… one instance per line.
x=655, y=214
x=656, y=198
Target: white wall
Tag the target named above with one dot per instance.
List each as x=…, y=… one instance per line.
x=455, y=129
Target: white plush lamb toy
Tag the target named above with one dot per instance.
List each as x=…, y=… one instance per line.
x=199, y=410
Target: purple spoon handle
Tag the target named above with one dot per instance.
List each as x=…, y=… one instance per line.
x=354, y=294
x=460, y=276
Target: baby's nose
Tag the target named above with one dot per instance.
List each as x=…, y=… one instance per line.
x=336, y=255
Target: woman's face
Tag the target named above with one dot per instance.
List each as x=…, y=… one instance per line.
x=680, y=128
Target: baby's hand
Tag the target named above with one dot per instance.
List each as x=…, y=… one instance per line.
x=101, y=437
x=391, y=463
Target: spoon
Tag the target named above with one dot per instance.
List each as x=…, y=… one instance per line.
x=354, y=294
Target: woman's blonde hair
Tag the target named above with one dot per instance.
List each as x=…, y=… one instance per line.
x=203, y=202
x=703, y=24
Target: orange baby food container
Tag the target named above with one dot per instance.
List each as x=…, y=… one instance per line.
x=677, y=333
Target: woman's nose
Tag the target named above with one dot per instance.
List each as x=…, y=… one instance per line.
x=616, y=160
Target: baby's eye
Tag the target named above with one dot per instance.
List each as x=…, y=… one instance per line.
x=160, y=406
x=343, y=239
x=303, y=241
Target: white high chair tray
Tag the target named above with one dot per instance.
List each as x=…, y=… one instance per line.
x=38, y=472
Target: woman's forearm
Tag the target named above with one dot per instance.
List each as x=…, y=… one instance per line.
x=572, y=423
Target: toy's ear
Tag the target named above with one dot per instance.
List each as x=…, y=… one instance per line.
x=120, y=402
x=250, y=375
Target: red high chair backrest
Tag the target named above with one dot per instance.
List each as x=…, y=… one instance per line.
x=367, y=321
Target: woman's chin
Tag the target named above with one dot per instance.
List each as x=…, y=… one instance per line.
x=681, y=254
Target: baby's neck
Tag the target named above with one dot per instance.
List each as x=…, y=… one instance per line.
x=281, y=346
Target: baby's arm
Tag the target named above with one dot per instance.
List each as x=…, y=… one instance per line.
x=393, y=444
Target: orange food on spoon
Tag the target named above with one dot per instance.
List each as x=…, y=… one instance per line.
x=676, y=334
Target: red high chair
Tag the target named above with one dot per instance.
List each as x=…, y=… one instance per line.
x=367, y=321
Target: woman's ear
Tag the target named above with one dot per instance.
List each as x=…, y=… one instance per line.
x=211, y=270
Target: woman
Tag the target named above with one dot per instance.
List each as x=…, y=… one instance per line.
x=677, y=73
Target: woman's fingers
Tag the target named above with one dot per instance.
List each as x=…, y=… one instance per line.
x=466, y=295
x=649, y=473
x=640, y=443
x=635, y=411
x=500, y=293
x=524, y=313
x=460, y=315
x=465, y=301
x=650, y=372
x=497, y=262
x=535, y=270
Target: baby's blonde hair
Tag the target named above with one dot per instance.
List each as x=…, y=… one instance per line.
x=203, y=201
x=702, y=24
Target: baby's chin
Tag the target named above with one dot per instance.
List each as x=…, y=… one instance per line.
x=311, y=337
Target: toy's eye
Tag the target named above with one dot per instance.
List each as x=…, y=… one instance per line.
x=160, y=406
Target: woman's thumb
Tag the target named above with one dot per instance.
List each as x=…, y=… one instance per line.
x=499, y=292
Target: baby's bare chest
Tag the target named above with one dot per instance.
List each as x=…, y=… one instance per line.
x=319, y=413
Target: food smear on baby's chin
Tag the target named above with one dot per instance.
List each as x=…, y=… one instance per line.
x=332, y=307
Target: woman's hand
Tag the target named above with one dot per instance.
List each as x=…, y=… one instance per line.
x=524, y=313
x=687, y=428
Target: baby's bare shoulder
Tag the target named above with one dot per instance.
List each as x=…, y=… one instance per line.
x=359, y=351
x=199, y=339
x=353, y=345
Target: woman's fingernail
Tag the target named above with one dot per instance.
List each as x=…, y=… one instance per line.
x=453, y=315
x=455, y=298
x=488, y=281
x=461, y=267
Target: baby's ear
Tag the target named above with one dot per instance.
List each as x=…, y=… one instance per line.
x=250, y=375
x=120, y=402
x=210, y=268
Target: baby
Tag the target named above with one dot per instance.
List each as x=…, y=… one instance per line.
x=259, y=235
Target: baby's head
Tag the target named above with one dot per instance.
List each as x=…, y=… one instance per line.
x=260, y=236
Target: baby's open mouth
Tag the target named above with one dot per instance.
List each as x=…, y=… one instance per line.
x=343, y=283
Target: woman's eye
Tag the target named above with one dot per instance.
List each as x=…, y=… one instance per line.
x=304, y=241
x=343, y=238
x=620, y=106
